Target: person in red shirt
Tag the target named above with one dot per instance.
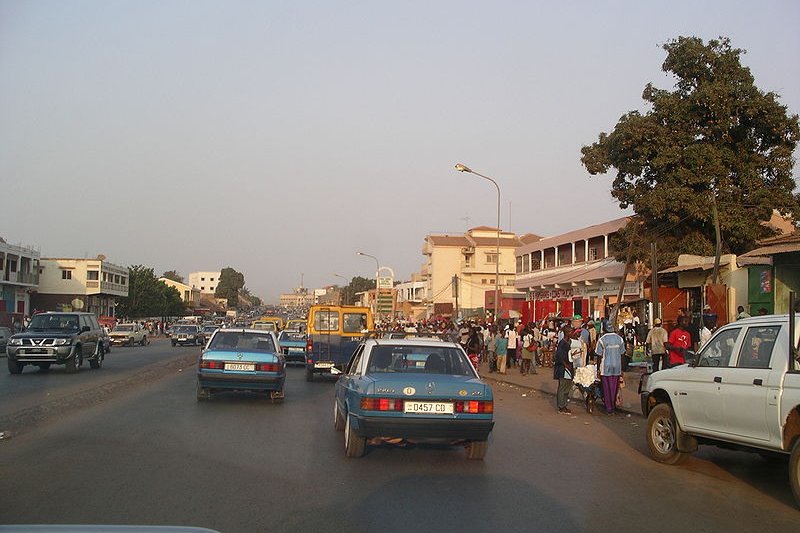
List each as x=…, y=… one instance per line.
x=679, y=342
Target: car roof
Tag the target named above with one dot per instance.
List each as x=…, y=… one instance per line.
x=433, y=342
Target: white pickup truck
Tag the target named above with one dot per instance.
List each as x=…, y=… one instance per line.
x=741, y=391
x=128, y=335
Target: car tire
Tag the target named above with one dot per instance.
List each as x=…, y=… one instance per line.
x=43, y=367
x=73, y=364
x=794, y=471
x=309, y=374
x=203, y=394
x=97, y=361
x=662, y=436
x=130, y=341
x=338, y=420
x=144, y=341
x=354, y=446
x=174, y=344
x=14, y=367
x=476, y=450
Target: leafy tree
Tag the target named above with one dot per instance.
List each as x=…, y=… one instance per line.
x=173, y=275
x=715, y=141
x=357, y=284
x=230, y=283
x=147, y=296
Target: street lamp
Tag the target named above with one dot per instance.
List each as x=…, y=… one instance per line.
x=377, y=273
x=344, y=294
x=464, y=168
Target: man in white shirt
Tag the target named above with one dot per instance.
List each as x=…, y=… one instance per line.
x=512, y=337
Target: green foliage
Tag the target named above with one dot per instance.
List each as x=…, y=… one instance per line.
x=357, y=284
x=715, y=135
x=173, y=275
x=230, y=283
x=149, y=297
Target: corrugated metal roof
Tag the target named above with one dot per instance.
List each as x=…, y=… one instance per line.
x=774, y=250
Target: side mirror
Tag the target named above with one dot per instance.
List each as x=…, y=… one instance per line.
x=691, y=358
x=85, y=328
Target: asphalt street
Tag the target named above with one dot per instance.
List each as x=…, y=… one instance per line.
x=151, y=454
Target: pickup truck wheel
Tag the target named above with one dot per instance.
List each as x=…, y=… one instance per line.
x=309, y=374
x=662, y=436
x=354, y=445
x=338, y=420
x=14, y=367
x=476, y=450
x=144, y=341
x=130, y=341
x=794, y=471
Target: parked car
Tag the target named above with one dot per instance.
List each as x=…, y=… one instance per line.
x=57, y=338
x=241, y=360
x=128, y=335
x=741, y=391
x=184, y=334
x=416, y=390
x=209, y=329
x=293, y=346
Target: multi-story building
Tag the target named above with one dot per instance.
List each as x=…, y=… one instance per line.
x=573, y=274
x=68, y=284
x=300, y=297
x=206, y=281
x=190, y=295
x=472, y=258
x=19, y=277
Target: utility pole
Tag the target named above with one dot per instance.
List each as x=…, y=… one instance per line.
x=654, y=280
x=454, y=283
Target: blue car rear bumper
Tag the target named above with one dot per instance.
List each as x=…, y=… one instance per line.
x=240, y=382
x=422, y=428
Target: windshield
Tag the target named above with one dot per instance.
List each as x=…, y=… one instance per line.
x=124, y=328
x=47, y=322
x=186, y=329
x=243, y=342
x=419, y=360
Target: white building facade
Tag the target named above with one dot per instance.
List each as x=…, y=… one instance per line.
x=91, y=285
x=206, y=282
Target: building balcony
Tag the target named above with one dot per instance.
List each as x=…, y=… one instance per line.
x=21, y=278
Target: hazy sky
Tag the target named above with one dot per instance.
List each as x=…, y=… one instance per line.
x=282, y=137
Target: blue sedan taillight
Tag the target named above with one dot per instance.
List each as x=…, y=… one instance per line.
x=381, y=404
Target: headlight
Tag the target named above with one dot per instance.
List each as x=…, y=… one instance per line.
x=15, y=342
x=62, y=342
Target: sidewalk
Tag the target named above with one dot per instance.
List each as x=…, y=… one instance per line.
x=544, y=382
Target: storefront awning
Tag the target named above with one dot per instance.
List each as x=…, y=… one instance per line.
x=693, y=266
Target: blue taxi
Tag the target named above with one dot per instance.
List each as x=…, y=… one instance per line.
x=241, y=360
x=412, y=390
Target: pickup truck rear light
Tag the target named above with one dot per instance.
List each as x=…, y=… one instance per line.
x=381, y=404
x=269, y=367
x=475, y=407
x=212, y=365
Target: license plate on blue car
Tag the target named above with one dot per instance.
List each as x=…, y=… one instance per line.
x=239, y=366
x=433, y=408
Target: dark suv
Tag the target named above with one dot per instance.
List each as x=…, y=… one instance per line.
x=60, y=338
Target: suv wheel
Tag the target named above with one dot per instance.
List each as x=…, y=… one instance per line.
x=662, y=436
x=74, y=362
x=14, y=367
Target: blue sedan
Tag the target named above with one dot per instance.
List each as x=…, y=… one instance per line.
x=241, y=360
x=412, y=390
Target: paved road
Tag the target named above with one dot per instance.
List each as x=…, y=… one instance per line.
x=153, y=455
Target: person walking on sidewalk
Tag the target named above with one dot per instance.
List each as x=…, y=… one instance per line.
x=501, y=346
x=528, y=353
x=563, y=371
x=611, y=348
x=656, y=338
x=513, y=339
x=491, y=349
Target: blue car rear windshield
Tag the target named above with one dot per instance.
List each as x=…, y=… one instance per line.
x=242, y=342
x=419, y=360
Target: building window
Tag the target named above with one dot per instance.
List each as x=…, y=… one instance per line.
x=491, y=258
x=202, y=288
x=519, y=264
x=592, y=254
x=92, y=275
x=66, y=274
x=212, y=279
x=123, y=280
x=468, y=261
x=12, y=265
x=483, y=281
x=202, y=279
x=535, y=264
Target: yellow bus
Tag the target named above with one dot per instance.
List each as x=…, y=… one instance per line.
x=334, y=332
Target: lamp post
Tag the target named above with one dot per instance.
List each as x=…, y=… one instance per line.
x=377, y=273
x=344, y=293
x=464, y=168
